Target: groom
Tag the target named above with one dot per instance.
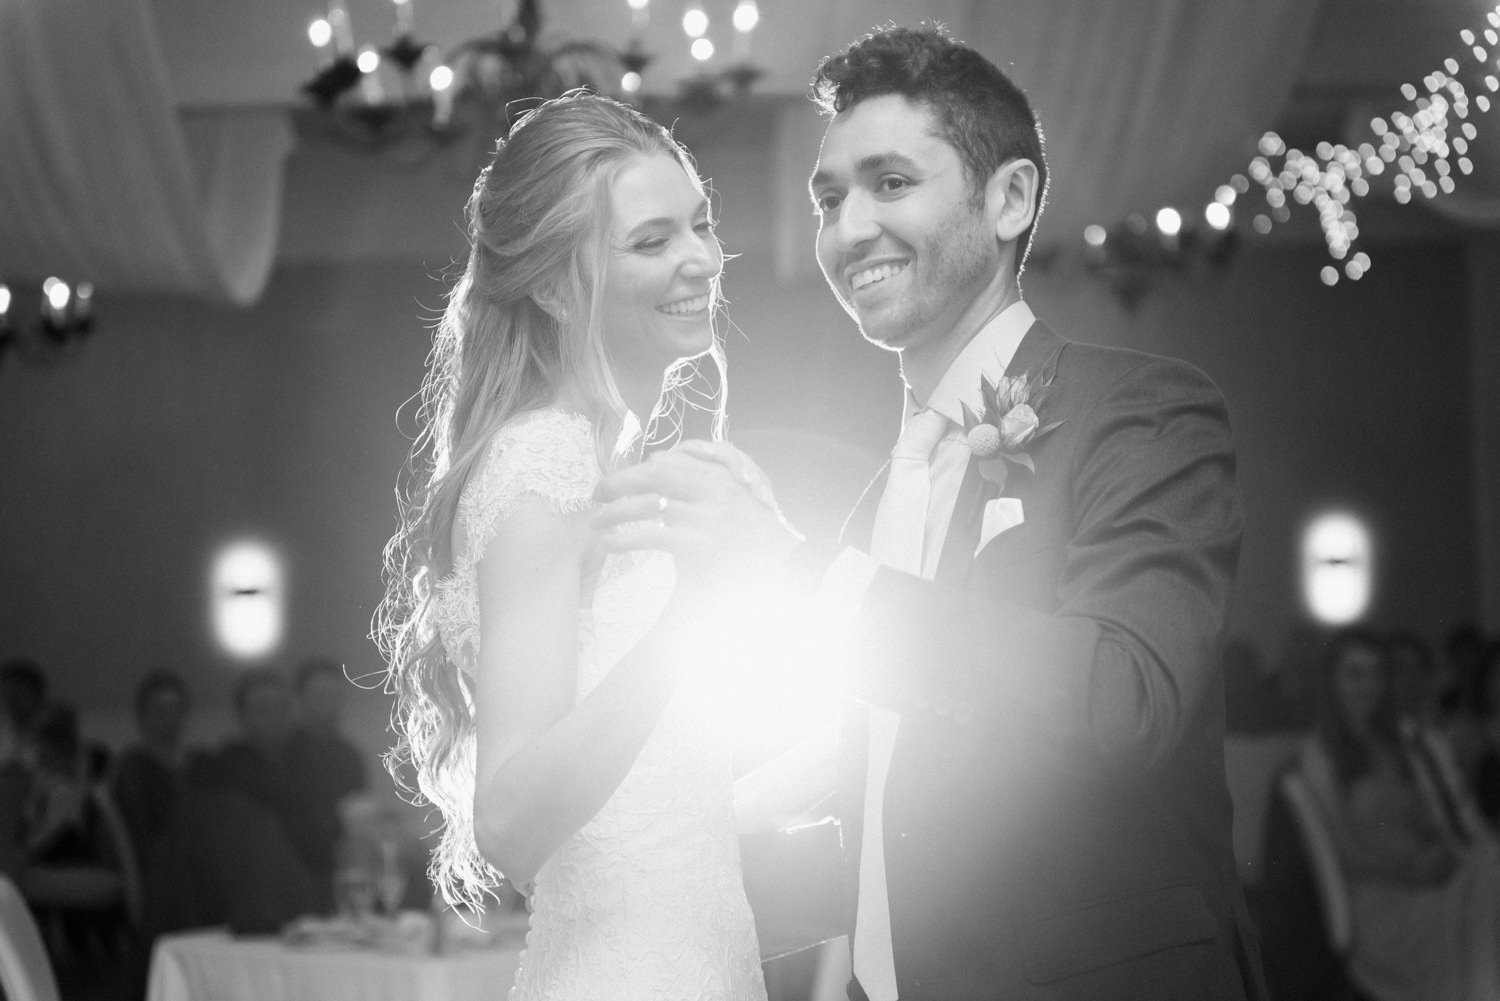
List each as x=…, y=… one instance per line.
x=1031, y=785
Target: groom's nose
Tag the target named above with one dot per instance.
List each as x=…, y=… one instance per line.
x=857, y=222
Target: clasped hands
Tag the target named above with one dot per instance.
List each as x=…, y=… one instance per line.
x=706, y=503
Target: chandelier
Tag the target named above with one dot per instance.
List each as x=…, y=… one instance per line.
x=1134, y=254
x=411, y=92
x=64, y=315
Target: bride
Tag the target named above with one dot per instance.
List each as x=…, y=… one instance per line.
x=544, y=692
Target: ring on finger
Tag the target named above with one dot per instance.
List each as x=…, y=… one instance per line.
x=662, y=502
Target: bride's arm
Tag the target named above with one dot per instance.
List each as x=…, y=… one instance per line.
x=545, y=765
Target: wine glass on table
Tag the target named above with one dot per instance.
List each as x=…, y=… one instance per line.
x=390, y=880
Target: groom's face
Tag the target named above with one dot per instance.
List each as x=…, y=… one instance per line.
x=902, y=238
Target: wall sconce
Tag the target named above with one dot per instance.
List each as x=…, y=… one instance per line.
x=1337, y=568
x=246, y=597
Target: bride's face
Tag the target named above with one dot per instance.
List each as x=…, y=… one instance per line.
x=662, y=269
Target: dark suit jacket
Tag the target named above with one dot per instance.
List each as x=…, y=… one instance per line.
x=1057, y=822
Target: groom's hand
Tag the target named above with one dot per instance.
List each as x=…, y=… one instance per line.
x=708, y=505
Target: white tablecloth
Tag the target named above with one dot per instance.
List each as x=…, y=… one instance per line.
x=215, y=966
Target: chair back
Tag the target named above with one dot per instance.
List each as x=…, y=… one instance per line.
x=25, y=971
x=125, y=850
x=1323, y=859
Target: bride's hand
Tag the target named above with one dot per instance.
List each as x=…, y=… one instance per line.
x=706, y=503
x=741, y=467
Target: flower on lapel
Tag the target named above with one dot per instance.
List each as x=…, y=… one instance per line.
x=1007, y=425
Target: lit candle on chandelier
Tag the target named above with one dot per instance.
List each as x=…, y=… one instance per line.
x=403, y=18
x=55, y=296
x=695, y=26
x=369, y=75
x=340, y=30
x=320, y=33
x=640, y=15
x=746, y=17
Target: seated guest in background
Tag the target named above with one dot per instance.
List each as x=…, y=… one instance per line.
x=1414, y=673
x=323, y=755
x=257, y=765
x=1295, y=670
x=72, y=871
x=1459, y=698
x=150, y=773
x=1424, y=878
x=1255, y=701
x=23, y=694
x=327, y=764
x=62, y=824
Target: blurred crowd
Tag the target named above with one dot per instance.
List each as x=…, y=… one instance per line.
x=111, y=848
x=1385, y=806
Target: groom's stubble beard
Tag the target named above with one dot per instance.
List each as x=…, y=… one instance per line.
x=954, y=262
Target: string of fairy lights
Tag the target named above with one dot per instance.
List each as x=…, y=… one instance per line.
x=1421, y=146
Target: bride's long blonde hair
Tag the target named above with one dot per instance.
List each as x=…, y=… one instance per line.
x=521, y=321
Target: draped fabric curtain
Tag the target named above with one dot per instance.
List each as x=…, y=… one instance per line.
x=101, y=178
x=1144, y=103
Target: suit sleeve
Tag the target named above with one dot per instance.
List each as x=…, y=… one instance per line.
x=1124, y=653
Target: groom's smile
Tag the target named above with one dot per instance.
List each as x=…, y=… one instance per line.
x=901, y=239
x=864, y=277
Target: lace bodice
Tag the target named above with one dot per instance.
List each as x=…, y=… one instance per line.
x=646, y=901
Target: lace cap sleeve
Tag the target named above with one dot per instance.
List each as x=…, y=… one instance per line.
x=548, y=454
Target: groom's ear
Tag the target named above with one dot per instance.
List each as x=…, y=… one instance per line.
x=1010, y=196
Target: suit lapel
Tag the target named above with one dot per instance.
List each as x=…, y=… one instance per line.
x=963, y=527
x=1038, y=349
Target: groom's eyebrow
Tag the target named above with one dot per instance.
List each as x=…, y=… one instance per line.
x=874, y=163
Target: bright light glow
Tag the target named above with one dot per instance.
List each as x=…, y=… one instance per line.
x=1217, y=215
x=766, y=662
x=369, y=60
x=1094, y=235
x=1169, y=221
x=245, y=599
x=4, y=299
x=1225, y=194
x=320, y=32
x=57, y=292
x=1336, y=568
x=746, y=16
x=702, y=49
x=694, y=21
x=638, y=4
x=441, y=78
x=630, y=82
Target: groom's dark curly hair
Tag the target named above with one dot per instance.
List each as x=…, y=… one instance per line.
x=979, y=111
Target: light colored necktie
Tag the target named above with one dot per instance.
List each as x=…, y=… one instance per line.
x=897, y=542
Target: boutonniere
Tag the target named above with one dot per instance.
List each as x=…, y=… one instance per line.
x=1009, y=424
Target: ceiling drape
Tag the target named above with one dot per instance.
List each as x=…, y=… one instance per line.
x=1144, y=103
x=101, y=179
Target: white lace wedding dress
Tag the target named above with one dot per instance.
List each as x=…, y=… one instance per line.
x=646, y=901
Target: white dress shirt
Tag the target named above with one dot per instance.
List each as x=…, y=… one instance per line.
x=986, y=357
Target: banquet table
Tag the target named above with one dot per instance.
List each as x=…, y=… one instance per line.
x=218, y=966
